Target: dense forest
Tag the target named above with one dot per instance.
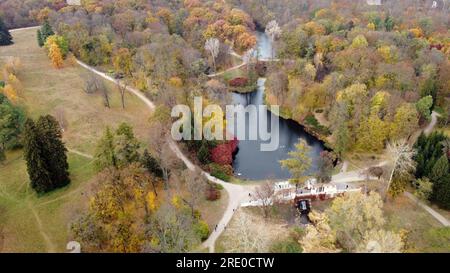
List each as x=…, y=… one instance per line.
x=392, y=63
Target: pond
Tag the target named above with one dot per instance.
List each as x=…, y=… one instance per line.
x=250, y=162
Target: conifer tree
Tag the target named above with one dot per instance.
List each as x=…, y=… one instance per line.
x=54, y=150
x=40, y=40
x=117, y=149
x=127, y=145
x=151, y=164
x=45, y=32
x=106, y=154
x=37, y=166
x=440, y=169
x=5, y=36
x=442, y=192
x=45, y=155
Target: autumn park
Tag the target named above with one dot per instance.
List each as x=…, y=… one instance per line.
x=339, y=141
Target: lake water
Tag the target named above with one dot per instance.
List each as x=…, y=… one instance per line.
x=252, y=163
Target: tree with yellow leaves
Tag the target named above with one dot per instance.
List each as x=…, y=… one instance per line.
x=319, y=237
x=55, y=55
x=10, y=93
x=372, y=134
x=359, y=222
x=360, y=41
x=123, y=62
x=14, y=82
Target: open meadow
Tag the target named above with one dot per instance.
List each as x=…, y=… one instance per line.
x=32, y=223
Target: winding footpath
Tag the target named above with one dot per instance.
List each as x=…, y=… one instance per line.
x=237, y=193
x=441, y=219
x=434, y=120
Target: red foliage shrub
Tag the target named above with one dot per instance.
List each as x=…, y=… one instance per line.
x=238, y=82
x=223, y=153
x=437, y=46
x=212, y=193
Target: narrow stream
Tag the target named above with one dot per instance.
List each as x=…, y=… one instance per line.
x=252, y=163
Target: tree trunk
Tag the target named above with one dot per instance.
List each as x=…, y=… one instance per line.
x=214, y=64
x=390, y=180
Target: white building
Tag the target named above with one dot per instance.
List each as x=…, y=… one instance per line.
x=73, y=2
x=374, y=2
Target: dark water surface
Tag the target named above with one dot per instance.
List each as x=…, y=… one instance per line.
x=252, y=163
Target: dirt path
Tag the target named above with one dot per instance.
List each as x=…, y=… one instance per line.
x=24, y=28
x=430, y=127
x=80, y=153
x=228, y=70
x=50, y=246
x=237, y=194
x=358, y=176
x=444, y=221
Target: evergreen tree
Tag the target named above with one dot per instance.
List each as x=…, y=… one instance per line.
x=37, y=166
x=106, y=151
x=151, y=164
x=5, y=36
x=117, y=149
x=45, y=155
x=45, y=32
x=40, y=40
x=12, y=120
x=389, y=23
x=54, y=150
x=127, y=145
x=442, y=192
x=440, y=169
x=429, y=150
x=438, y=176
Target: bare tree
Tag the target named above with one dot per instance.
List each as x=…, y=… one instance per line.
x=173, y=229
x=105, y=93
x=161, y=150
x=195, y=186
x=213, y=46
x=248, y=57
x=218, y=92
x=122, y=86
x=273, y=30
x=401, y=156
x=60, y=116
x=265, y=195
x=93, y=85
x=247, y=235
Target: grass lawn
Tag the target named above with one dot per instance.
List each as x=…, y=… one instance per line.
x=402, y=213
x=31, y=223
x=46, y=90
x=212, y=211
